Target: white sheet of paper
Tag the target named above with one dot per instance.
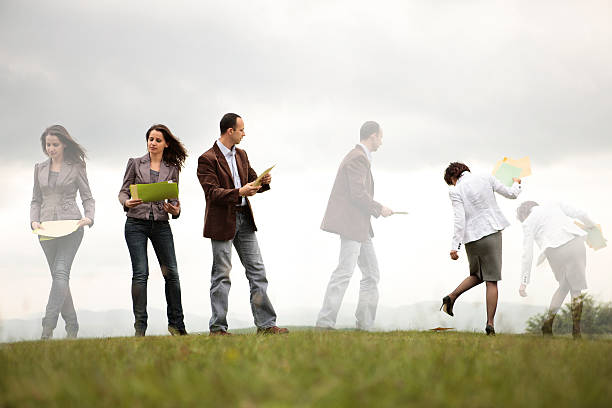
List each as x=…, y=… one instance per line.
x=56, y=229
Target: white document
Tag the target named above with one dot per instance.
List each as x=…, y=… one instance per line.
x=56, y=229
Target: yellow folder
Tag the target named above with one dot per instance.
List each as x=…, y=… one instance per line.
x=524, y=164
x=257, y=181
x=595, y=238
x=154, y=191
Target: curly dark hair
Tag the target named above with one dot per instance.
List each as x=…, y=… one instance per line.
x=73, y=151
x=175, y=154
x=454, y=170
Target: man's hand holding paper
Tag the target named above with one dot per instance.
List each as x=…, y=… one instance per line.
x=249, y=189
x=386, y=212
x=267, y=179
x=264, y=178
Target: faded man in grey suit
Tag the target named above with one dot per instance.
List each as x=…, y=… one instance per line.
x=350, y=206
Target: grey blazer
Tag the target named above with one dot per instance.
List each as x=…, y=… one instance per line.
x=59, y=203
x=138, y=171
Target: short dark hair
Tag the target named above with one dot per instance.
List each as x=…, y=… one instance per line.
x=367, y=129
x=228, y=121
x=523, y=211
x=454, y=170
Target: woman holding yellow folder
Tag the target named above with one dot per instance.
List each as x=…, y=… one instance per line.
x=149, y=221
x=478, y=225
x=56, y=182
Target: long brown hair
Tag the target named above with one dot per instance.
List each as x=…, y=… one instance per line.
x=175, y=154
x=73, y=151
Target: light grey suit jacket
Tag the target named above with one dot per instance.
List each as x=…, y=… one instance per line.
x=59, y=202
x=138, y=171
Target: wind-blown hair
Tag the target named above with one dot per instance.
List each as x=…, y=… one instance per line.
x=454, y=170
x=73, y=152
x=175, y=154
x=523, y=210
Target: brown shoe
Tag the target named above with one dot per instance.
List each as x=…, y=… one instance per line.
x=272, y=330
x=219, y=333
x=548, y=325
x=576, y=316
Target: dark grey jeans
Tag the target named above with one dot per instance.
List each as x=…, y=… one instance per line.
x=60, y=253
x=137, y=232
x=247, y=247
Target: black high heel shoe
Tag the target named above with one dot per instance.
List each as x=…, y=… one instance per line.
x=490, y=330
x=447, y=305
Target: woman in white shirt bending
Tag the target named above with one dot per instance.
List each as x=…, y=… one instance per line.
x=478, y=225
x=552, y=227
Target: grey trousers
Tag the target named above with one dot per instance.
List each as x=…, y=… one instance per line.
x=352, y=253
x=60, y=253
x=247, y=247
x=568, y=263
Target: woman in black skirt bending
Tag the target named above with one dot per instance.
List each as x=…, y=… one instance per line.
x=478, y=225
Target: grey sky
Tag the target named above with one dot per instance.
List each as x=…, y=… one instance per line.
x=447, y=81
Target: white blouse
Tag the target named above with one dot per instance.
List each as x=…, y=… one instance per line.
x=550, y=226
x=476, y=212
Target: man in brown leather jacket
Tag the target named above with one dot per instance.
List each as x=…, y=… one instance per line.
x=350, y=206
x=227, y=178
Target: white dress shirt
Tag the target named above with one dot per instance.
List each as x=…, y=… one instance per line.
x=550, y=226
x=476, y=212
x=367, y=151
x=230, y=157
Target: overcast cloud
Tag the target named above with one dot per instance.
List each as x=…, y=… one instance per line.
x=445, y=79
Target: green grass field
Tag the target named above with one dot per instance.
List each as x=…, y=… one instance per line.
x=308, y=368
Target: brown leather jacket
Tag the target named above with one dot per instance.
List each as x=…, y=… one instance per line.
x=59, y=203
x=351, y=202
x=221, y=196
x=138, y=171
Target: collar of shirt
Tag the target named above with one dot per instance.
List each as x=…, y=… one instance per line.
x=461, y=175
x=368, y=152
x=226, y=152
x=230, y=158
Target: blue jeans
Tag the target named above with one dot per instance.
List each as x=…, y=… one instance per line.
x=137, y=232
x=247, y=247
x=60, y=253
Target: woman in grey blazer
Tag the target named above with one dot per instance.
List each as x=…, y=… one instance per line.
x=149, y=221
x=56, y=182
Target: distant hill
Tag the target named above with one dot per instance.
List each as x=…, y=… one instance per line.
x=510, y=318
